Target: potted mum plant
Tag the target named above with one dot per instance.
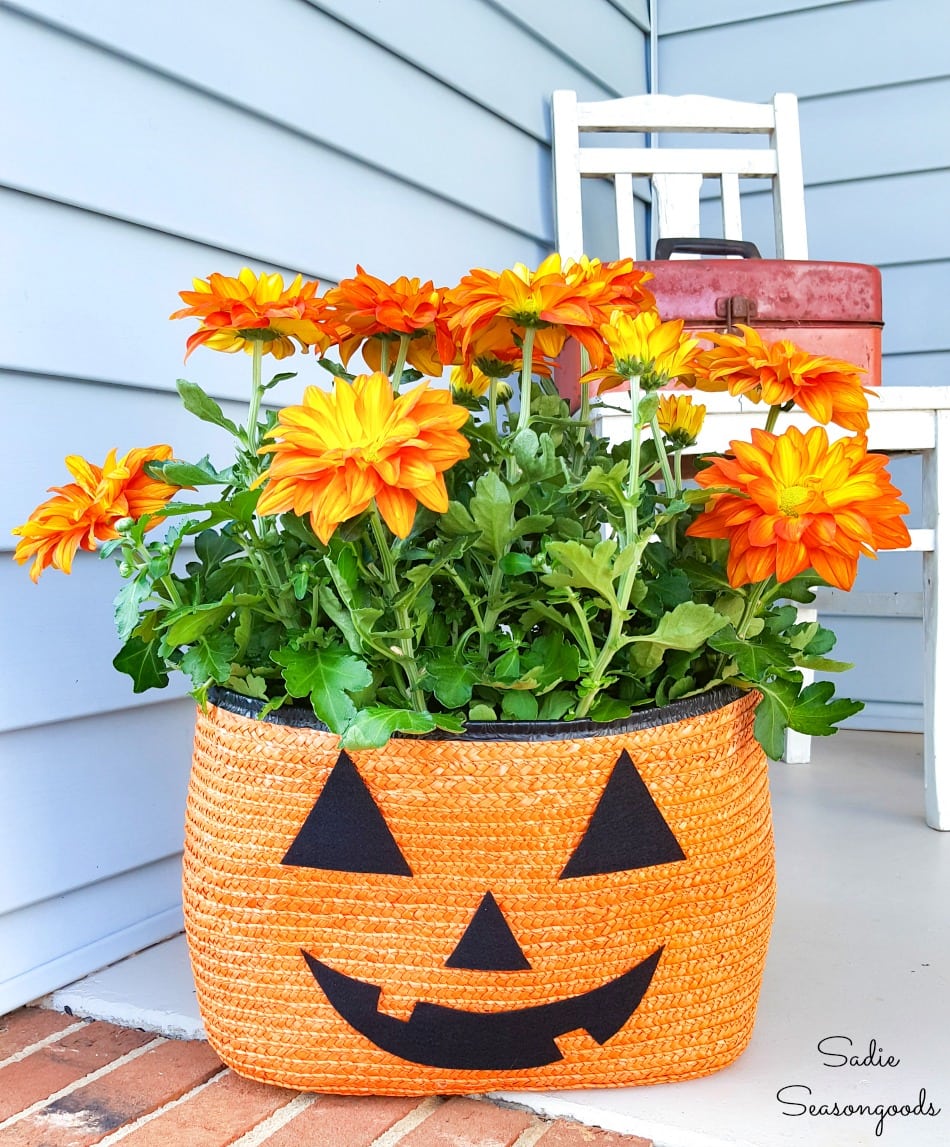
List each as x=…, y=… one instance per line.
x=479, y=795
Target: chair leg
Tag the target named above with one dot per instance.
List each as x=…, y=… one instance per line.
x=936, y=491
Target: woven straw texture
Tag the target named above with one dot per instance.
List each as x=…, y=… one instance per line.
x=472, y=817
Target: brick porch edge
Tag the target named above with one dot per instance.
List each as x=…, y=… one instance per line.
x=74, y=1083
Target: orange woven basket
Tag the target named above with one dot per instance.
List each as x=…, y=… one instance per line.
x=530, y=906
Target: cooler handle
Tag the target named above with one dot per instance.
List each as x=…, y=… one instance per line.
x=666, y=247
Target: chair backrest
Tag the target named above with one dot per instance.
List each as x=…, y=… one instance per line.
x=677, y=173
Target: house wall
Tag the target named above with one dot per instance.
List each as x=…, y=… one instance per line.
x=873, y=81
x=146, y=144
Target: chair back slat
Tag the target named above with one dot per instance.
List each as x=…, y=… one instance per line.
x=626, y=227
x=677, y=172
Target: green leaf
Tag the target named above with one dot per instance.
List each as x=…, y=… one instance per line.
x=210, y=659
x=335, y=369
x=341, y=617
x=282, y=377
x=203, y=406
x=610, y=709
x=585, y=567
x=242, y=506
x=823, y=664
x=801, y=588
x=450, y=681
x=143, y=664
x=607, y=482
x=785, y=705
x=705, y=576
x=200, y=473
x=555, y=705
x=449, y=722
x=457, y=520
x=482, y=712
x=551, y=660
x=492, y=512
x=372, y=728
x=507, y=668
x=687, y=627
x=128, y=604
x=327, y=676
x=183, y=626
x=213, y=547
x=535, y=455
x=532, y=524
x=514, y=564
x=771, y=717
x=519, y=706
x=757, y=658
x=249, y=685
x=816, y=714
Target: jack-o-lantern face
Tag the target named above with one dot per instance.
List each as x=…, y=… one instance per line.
x=346, y=831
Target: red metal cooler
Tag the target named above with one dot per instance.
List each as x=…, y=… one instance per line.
x=829, y=308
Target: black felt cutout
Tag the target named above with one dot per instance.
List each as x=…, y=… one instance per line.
x=439, y=1036
x=345, y=831
x=626, y=831
x=488, y=944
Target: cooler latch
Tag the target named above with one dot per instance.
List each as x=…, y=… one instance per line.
x=736, y=308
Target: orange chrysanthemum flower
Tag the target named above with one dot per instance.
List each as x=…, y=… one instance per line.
x=643, y=345
x=341, y=450
x=801, y=504
x=234, y=313
x=370, y=310
x=488, y=312
x=613, y=285
x=86, y=510
x=777, y=373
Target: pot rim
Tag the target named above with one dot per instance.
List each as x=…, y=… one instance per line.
x=698, y=705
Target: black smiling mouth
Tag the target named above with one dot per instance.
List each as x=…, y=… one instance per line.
x=438, y=1036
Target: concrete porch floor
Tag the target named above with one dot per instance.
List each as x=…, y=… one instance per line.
x=860, y=952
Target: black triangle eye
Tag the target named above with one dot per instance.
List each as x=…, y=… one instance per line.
x=626, y=831
x=345, y=831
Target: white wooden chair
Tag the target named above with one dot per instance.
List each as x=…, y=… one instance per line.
x=912, y=419
x=677, y=173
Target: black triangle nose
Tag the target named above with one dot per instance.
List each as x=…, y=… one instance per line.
x=488, y=944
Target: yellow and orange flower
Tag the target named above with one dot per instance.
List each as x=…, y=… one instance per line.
x=612, y=285
x=642, y=345
x=680, y=419
x=777, y=373
x=342, y=450
x=488, y=311
x=369, y=311
x=234, y=313
x=86, y=510
x=801, y=503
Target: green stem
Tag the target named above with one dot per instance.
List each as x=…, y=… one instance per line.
x=408, y=660
x=267, y=576
x=257, y=393
x=663, y=457
x=749, y=611
x=774, y=412
x=678, y=471
x=491, y=614
x=384, y=356
x=633, y=478
x=527, y=363
x=470, y=601
x=493, y=404
x=400, y=360
x=589, y=642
